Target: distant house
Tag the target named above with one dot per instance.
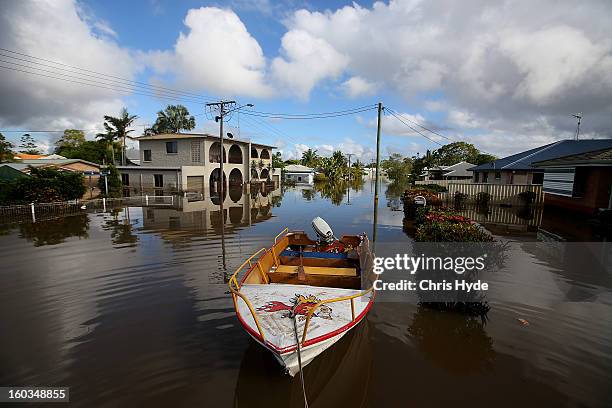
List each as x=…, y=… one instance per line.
x=458, y=171
x=519, y=169
x=191, y=162
x=25, y=156
x=580, y=182
x=299, y=174
x=9, y=172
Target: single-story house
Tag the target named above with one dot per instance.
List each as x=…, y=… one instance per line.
x=579, y=182
x=519, y=169
x=458, y=171
x=299, y=174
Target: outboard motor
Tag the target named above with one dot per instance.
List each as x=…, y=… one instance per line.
x=323, y=230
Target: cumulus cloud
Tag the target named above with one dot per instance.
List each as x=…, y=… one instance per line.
x=358, y=86
x=346, y=146
x=37, y=102
x=306, y=61
x=494, y=63
x=217, y=54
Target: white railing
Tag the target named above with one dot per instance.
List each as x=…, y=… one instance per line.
x=498, y=193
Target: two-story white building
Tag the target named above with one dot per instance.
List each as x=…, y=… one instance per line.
x=190, y=162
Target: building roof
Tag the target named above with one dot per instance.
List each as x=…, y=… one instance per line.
x=169, y=136
x=562, y=148
x=9, y=172
x=145, y=168
x=461, y=169
x=57, y=162
x=592, y=158
x=298, y=168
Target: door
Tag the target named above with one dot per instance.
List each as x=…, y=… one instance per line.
x=195, y=183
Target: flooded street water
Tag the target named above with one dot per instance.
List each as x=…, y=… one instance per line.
x=130, y=308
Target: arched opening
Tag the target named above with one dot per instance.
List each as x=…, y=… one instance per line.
x=265, y=154
x=214, y=153
x=254, y=154
x=215, y=185
x=235, y=155
x=265, y=173
x=235, y=193
x=235, y=178
x=254, y=175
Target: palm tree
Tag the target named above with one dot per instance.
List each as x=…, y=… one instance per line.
x=310, y=158
x=173, y=119
x=117, y=129
x=109, y=138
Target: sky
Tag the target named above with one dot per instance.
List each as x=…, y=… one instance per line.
x=506, y=76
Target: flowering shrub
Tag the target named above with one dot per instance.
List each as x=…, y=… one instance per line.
x=443, y=225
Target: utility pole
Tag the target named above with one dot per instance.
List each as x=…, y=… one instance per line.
x=579, y=117
x=377, y=172
x=349, y=165
x=223, y=108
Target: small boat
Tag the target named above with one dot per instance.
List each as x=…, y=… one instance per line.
x=301, y=296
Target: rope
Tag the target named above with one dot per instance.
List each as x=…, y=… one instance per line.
x=299, y=353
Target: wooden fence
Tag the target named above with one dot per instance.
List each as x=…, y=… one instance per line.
x=498, y=193
x=443, y=183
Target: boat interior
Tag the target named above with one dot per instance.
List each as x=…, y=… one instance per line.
x=298, y=260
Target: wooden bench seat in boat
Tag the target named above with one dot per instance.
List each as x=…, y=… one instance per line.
x=316, y=270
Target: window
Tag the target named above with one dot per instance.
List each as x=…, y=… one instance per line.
x=195, y=152
x=537, y=178
x=125, y=179
x=159, y=180
x=171, y=147
x=299, y=178
x=477, y=177
x=498, y=175
x=485, y=177
x=147, y=155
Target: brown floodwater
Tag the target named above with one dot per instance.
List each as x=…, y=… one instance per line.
x=130, y=307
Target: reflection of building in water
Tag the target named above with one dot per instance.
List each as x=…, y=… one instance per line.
x=502, y=220
x=201, y=212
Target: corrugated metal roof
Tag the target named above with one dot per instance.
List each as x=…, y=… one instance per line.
x=593, y=157
x=298, y=168
x=524, y=160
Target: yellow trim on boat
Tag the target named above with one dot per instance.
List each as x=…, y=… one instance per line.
x=334, y=300
x=285, y=230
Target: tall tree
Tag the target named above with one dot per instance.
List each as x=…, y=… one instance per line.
x=28, y=145
x=310, y=158
x=71, y=139
x=456, y=152
x=117, y=129
x=6, y=152
x=173, y=119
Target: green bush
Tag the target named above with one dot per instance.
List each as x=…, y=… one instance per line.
x=436, y=188
x=43, y=186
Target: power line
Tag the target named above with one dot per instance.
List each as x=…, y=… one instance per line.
x=304, y=117
x=415, y=130
x=421, y=126
x=97, y=73
x=111, y=87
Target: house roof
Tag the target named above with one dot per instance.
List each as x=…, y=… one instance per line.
x=461, y=169
x=597, y=157
x=9, y=172
x=56, y=162
x=298, y=168
x=562, y=148
x=25, y=156
x=170, y=136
